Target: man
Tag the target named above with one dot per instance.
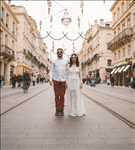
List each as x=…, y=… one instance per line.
x=58, y=78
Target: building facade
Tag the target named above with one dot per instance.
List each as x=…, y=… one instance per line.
x=8, y=41
x=31, y=49
x=123, y=43
x=95, y=57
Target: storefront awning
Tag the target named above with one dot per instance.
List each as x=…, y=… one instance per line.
x=113, y=70
x=122, y=68
x=126, y=68
x=117, y=70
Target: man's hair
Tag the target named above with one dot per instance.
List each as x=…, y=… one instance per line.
x=60, y=49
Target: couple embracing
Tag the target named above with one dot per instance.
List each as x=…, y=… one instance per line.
x=64, y=77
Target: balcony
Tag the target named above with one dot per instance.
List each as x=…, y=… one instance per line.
x=121, y=39
x=7, y=53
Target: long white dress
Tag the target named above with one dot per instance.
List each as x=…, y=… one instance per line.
x=75, y=101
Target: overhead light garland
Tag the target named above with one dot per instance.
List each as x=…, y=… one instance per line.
x=66, y=20
x=49, y=3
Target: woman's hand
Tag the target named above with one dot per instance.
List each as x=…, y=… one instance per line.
x=81, y=85
x=66, y=86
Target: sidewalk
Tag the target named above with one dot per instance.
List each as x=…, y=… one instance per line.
x=13, y=97
x=117, y=91
x=119, y=101
x=9, y=91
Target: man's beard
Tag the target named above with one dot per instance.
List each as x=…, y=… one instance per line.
x=60, y=56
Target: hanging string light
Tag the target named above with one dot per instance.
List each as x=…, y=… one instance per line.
x=66, y=20
x=78, y=22
x=81, y=6
x=73, y=44
x=49, y=3
x=40, y=25
x=53, y=46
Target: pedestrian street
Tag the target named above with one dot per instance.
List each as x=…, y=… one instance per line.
x=33, y=126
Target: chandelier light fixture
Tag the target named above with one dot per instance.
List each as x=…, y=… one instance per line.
x=66, y=20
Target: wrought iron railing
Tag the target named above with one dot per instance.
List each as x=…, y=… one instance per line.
x=121, y=39
x=7, y=52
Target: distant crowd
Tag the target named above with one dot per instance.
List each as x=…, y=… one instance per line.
x=92, y=80
x=18, y=80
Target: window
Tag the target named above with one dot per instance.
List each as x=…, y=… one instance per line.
x=118, y=12
x=119, y=54
x=13, y=31
x=122, y=7
x=134, y=17
x=109, y=62
x=6, y=40
x=1, y=37
x=114, y=16
x=13, y=44
x=2, y=14
x=7, y=20
x=123, y=26
x=129, y=22
x=123, y=52
x=129, y=49
x=118, y=29
x=115, y=56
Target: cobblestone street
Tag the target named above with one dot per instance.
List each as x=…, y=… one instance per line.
x=33, y=126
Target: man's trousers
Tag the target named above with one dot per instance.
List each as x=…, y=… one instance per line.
x=59, y=90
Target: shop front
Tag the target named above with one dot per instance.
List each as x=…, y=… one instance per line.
x=122, y=74
x=21, y=68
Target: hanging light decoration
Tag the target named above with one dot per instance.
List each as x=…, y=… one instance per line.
x=52, y=46
x=78, y=22
x=66, y=20
x=49, y=3
x=51, y=19
x=40, y=25
x=73, y=49
x=81, y=6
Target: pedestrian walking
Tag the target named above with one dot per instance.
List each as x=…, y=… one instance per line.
x=13, y=81
x=33, y=80
x=133, y=79
x=19, y=80
x=58, y=78
x=26, y=81
x=93, y=81
x=112, y=80
x=1, y=81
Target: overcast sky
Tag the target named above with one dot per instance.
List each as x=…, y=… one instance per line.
x=93, y=9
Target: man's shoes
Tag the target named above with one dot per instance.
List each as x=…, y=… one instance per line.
x=59, y=113
x=62, y=113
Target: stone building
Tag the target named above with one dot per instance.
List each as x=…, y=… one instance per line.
x=95, y=56
x=123, y=43
x=8, y=41
x=31, y=49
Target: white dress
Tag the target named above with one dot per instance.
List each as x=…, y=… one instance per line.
x=75, y=101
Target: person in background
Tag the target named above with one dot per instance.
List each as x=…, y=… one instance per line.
x=112, y=80
x=1, y=81
x=13, y=81
x=133, y=79
x=26, y=81
x=127, y=80
x=19, y=80
x=33, y=79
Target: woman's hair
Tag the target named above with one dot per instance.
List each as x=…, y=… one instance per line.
x=77, y=60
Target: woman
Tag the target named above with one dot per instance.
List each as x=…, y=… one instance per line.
x=76, y=105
